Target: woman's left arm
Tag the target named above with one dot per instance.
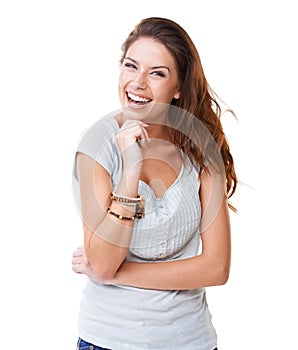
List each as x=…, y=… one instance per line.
x=210, y=268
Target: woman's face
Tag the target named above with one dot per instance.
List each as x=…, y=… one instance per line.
x=148, y=76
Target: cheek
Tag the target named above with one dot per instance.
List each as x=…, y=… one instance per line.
x=121, y=87
x=123, y=78
x=120, y=80
x=168, y=91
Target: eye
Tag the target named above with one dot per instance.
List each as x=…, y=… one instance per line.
x=130, y=65
x=158, y=74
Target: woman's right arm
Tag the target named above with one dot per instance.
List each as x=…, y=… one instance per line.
x=107, y=238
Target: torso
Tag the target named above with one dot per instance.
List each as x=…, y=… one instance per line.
x=168, y=232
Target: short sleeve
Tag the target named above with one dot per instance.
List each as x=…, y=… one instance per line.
x=98, y=142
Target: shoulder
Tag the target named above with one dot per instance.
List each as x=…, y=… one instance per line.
x=102, y=130
x=98, y=143
x=98, y=136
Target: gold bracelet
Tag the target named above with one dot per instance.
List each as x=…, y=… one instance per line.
x=127, y=200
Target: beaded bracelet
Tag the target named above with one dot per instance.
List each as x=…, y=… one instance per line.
x=121, y=217
x=126, y=200
x=138, y=202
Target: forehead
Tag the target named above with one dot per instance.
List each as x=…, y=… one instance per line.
x=148, y=50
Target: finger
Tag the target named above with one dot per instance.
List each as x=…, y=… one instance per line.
x=77, y=269
x=81, y=249
x=146, y=135
x=143, y=139
x=138, y=132
x=79, y=252
x=135, y=129
x=76, y=254
x=80, y=260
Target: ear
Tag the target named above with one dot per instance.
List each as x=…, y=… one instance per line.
x=177, y=95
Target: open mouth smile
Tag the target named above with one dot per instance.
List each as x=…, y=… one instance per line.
x=137, y=100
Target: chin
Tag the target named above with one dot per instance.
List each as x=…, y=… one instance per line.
x=136, y=113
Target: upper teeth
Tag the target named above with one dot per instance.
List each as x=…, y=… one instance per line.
x=137, y=98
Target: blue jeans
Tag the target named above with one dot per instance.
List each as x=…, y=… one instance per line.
x=83, y=345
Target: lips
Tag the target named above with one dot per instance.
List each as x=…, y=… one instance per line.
x=137, y=100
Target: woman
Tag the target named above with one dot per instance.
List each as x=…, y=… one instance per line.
x=154, y=179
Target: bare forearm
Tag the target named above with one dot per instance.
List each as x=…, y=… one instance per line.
x=107, y=243
x=196, y=272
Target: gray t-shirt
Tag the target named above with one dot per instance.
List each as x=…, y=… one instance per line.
x=127, y=318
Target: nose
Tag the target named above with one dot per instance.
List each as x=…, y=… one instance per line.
x=139, y=81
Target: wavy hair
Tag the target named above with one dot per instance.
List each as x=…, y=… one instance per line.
x=196, y=96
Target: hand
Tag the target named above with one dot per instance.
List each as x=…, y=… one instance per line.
x=80, y=264
x=130, y=138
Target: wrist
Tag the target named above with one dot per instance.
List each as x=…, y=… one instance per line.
x=133, y=205
x=131, y=174
x=128, y=185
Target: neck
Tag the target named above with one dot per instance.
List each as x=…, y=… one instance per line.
x=157, y=131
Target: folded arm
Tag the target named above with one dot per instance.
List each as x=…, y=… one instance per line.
x=210, y=268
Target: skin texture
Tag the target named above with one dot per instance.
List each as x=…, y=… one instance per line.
x=147, y=72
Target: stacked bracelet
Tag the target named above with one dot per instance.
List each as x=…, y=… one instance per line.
x=138, y=202
x=121, y=217
x=126, y=200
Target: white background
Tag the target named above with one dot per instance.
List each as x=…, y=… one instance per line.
x=59, y=67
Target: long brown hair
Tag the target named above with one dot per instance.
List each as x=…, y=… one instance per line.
x=196, y=96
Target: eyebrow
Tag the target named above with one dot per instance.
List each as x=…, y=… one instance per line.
x=155, y=67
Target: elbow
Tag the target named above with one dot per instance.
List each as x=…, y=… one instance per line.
x=105, y=273
x=218, y=271
x=103, y=265
x=221, y=276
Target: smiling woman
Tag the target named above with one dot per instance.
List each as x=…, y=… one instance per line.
x=148, y=74
x=154, y=180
